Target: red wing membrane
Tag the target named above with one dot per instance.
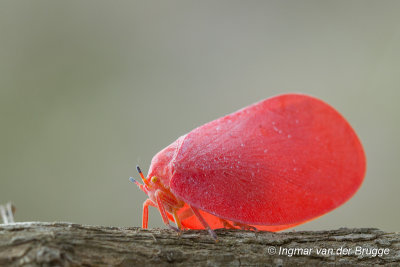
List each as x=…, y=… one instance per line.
x=281, y=161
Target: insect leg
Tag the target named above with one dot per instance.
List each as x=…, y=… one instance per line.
x=227, y=225
x=177, y=220
x=203, y=222
x=145, y=216
x=163, y=212
x=245, y=226
x=187, y=213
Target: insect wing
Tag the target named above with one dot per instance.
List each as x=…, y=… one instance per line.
x=281, y=161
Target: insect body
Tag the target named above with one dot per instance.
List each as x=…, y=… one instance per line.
x=270, y=166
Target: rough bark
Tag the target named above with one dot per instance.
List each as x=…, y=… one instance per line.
x=66, y=244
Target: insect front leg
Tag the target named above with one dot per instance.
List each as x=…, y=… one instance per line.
x=163, y=212
x=145, y=216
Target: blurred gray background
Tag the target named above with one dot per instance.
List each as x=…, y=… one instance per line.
x=89, y=89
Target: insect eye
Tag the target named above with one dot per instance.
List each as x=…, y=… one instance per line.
x=154, y=179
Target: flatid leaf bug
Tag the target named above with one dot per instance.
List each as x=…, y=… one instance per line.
x=270, y=166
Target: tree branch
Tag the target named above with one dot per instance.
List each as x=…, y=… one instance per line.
x=69, y=244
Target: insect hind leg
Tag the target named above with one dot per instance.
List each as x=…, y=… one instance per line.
x=203, y=222
x=245, y=226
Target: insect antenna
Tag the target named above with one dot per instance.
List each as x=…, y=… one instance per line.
x=141, y=186
x=141, y=175
x=134, y=181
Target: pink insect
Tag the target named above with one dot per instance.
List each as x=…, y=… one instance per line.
x=270, y=166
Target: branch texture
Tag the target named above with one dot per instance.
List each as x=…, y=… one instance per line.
x=66, y=244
